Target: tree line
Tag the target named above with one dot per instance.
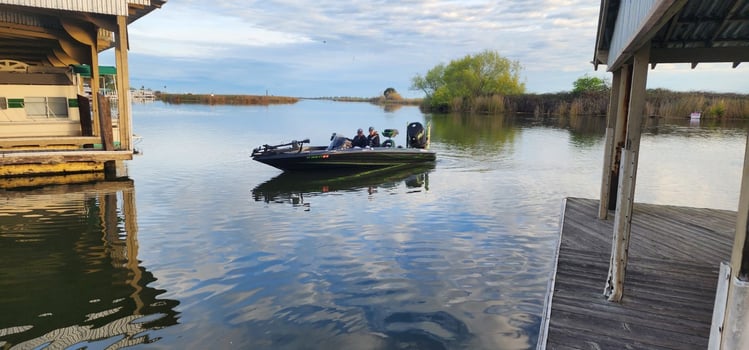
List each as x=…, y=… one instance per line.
x=489, y=83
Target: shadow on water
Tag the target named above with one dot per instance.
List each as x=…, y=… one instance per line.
x=70, y=270
x=292, y=187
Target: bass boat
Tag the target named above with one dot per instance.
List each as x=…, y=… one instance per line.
x=339, y=155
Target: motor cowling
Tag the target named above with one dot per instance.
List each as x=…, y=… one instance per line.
x=416, y=135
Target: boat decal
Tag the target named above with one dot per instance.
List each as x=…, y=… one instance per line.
x=319, y=156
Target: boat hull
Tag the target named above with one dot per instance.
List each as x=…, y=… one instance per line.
x=346, y=159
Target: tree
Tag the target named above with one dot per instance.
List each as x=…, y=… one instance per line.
x=484, y=74
x=391, y=94
x=588, y=84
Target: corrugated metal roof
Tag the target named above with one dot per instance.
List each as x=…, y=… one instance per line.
x=696, y=31
x=36, y=32
x=107, y=7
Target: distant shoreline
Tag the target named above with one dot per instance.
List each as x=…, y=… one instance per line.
x=264, y=100
x=213, y=99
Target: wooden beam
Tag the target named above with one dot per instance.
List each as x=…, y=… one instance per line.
x=78, y=31
x=123, y=85
x=63, y=57
x=609, y=153
x=627, y=177
x=11, y=142
x=59, y=157
x=598, y=56
x=74, y=173
x=700, y=55
x=77, y=51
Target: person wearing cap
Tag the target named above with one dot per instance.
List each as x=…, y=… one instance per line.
x=359, y=140
x=373, y=138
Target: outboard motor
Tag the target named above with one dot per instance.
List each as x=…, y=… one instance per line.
x=416, y=135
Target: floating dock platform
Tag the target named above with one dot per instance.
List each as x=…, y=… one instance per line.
x=672, y=275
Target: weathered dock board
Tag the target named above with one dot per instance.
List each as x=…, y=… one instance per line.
x=669, y=289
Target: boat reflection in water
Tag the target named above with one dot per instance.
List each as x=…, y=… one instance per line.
x=292, y=187
x=70, y=270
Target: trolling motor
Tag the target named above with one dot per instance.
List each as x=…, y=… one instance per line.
x=284, y=147
x=389, y=133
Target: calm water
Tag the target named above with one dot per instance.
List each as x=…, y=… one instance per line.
x=206, y=249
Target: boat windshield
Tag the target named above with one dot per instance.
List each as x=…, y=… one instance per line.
x=338, y=142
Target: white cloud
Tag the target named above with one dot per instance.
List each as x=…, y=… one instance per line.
x=365, y=43
x=191, y=32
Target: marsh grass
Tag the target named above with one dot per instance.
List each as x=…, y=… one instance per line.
x=212, y=99
x=659, y=103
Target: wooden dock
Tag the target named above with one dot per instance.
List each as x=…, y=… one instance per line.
x=669, y=290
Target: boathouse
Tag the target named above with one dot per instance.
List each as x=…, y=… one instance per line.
x=54, y=118
x=651, y=276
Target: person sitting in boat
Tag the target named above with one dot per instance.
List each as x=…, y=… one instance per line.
x=374, y=138
x=360, y=140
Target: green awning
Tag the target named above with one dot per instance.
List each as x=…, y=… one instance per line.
x=85, y=70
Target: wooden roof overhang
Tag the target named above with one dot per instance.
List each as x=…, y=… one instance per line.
x=55, y=37
x=678, y=31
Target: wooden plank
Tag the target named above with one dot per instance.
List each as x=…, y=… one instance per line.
x=719, y=308
x=53, y=157
x=671, y=279
x=11, y=142
x=573, y=339
x=608, y=327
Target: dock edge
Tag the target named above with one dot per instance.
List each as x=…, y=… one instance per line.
x=543, y=334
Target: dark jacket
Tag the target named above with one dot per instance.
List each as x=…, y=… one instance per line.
x=359, y=141
x=374, y=140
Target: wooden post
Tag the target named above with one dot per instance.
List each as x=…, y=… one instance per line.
x=123, y=85
x=95, y=88
x=609, y=152
x=620, y=133
x=735, y=332
x=105, y=123
x=84, y=114
x=107, y=134
x=740, y=253
x=627, y=177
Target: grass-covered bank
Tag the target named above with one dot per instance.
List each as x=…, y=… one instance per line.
x=381, y=100
x=212, y=99
x=659, y=102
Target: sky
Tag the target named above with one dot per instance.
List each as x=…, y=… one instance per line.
x=359, y=48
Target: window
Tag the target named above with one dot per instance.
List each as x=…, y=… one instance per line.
x=46, y=107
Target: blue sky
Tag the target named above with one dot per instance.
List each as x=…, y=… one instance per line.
x=360, y=48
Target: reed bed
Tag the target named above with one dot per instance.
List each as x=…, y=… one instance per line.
x=659, y=103
x=212, y=99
